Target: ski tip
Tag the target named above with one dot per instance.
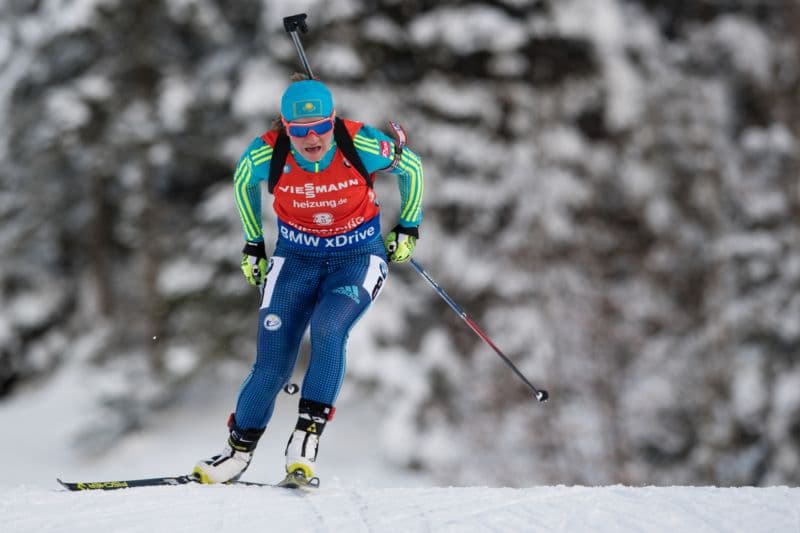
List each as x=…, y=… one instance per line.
x=67, y=485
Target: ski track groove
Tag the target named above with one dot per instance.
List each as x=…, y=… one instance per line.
x=499, y=516
x=104, y=511
x=384, y=513
x=323, y=517
x=391, y=513
x=362, y=507
x=499, y=510
x=363, y=515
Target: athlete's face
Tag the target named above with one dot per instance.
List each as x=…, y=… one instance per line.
x=313, y=146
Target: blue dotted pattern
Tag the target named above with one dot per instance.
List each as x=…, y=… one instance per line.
x=306, y=293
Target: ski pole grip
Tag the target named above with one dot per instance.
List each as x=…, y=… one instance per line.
x=295, y=23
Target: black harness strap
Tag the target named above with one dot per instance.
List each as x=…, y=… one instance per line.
x=279, y=153
x=343, y=141
x=345, y=144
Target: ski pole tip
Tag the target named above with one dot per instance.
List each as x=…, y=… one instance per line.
x=542, y=395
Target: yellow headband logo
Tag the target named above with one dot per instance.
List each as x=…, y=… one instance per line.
x=308, y=107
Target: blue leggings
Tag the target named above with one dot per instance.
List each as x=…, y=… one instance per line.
x=330, y=291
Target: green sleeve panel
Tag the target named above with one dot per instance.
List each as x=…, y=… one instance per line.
x=377, y=151
x=253, y=168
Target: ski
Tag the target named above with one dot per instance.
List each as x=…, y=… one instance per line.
x=126, y=483
x=147, y=482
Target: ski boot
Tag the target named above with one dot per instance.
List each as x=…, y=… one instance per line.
x=301, y=450
x=233, y=460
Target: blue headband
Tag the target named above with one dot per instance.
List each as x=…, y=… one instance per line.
x=307, y=98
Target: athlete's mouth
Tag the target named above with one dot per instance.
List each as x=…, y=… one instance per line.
x=313, y=149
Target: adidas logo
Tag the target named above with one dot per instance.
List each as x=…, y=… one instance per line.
x=351, y=291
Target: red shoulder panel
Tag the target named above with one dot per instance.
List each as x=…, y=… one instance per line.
x=352, y=126
x=269, y=137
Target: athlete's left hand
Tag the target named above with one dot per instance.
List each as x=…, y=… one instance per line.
x=400, y=243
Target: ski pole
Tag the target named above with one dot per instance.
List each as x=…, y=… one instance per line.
x=292, y=25
x=540, y=394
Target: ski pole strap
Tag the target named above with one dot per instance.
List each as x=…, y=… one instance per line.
x=400, y=135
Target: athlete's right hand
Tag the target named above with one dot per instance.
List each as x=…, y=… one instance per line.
x=400, y=243
x=254, y=262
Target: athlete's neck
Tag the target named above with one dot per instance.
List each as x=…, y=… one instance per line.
x=319, y=166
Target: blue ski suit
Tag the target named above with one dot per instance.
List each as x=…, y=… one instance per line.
x=325, y=282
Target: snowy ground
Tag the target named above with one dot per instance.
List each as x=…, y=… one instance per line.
x=340, y=509
x=361, y=491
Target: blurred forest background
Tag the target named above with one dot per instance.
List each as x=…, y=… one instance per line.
x=612, y=192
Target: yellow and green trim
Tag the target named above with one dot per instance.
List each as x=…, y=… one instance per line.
x=247, y=196
x=367, y=144
x=411, y=165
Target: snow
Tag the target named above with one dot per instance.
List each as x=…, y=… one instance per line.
x=458, y=101
x=68, y=109
x=31, y=309
x=361, y=491
x=477, y=28
x=174, y=102
x=603, y=21
x=746, y=44
x=340, y=61
x=382, y=29
x=259, y=78
x=184, y=277
x=236, y=509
